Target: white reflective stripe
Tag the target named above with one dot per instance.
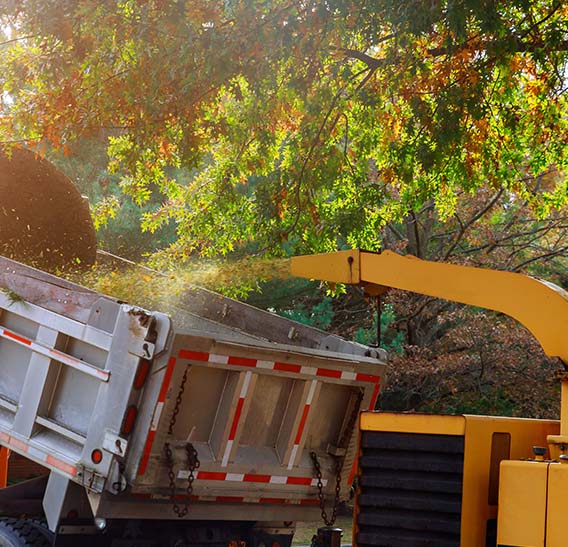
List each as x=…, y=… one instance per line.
x=265, y=364
x=348, y=375
x=156, y=416
x=72, y=362
x=246, y=384
x=240, y=477
x=219, y=359
x=293, y=456
x=236, y=477
x=227, y=454
x=34, y=452
x=308, y=370
x=312, y=392
x=43, y=456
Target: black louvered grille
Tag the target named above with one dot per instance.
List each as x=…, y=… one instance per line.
x=410, y=490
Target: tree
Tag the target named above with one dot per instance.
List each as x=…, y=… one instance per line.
x=116, y=216
x=459, y=359
x=483, y=364
x=301, y=125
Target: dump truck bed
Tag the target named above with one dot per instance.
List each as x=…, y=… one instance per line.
x=89, y=388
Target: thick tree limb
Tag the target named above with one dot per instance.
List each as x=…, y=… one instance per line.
x=511, y=46
x=476, y=216
x=372, y=62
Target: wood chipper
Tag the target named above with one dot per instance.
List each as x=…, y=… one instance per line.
x=459, y=481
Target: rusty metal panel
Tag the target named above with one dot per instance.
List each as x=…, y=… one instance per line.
x=267, y=411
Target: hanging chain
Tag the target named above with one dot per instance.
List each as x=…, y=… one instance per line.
x=178, y=401
x=192, y=457
x=348, y=430
x=338, y=465
x=343, y=441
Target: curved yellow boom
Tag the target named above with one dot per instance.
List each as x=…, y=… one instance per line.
x=540, y=306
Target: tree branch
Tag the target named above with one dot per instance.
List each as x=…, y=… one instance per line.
x=472, y=220
x=372, y=62
x=546, y=256
x=12, y=40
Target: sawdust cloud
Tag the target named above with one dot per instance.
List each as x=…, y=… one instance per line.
x=139, y=285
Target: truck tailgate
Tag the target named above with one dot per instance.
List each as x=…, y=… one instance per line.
x=254, y=414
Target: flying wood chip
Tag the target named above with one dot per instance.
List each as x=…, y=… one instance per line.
x=44, y=221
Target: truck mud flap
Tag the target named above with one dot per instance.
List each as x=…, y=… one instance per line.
x=24, y=498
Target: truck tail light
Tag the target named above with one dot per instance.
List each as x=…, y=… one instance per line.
x=129, y=420
x=142, y=373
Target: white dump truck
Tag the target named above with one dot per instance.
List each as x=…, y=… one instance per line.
x=218, y=424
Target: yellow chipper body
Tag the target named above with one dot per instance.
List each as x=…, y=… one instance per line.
x=434, y=480
x=459, y=481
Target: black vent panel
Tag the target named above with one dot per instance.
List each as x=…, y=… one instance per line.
x=410, y=490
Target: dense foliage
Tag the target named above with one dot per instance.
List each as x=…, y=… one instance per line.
x=307, y=124
x=267, y=126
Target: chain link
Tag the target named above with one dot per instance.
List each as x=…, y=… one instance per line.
x=178, y=401
x=348, y=430
x=338, y=465
x=192, y=457
x=343, y=441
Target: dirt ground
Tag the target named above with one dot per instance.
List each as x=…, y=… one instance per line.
x=44, y=221
x=306, y=530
